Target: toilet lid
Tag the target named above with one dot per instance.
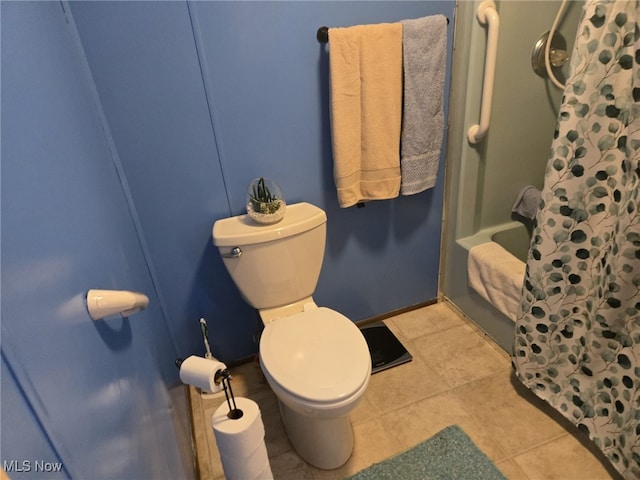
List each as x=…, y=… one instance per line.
x=318, y=355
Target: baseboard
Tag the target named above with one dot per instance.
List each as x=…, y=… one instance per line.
x=384, y=316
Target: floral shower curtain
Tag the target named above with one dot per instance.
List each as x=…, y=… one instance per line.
x=577, y=339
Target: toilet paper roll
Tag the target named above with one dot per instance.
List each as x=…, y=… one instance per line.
x=201, y=372
x=238, y=438
x=248, y=467
x=265, y=474
x=241, y=441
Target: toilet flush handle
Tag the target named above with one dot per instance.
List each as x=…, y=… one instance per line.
x=234, y=253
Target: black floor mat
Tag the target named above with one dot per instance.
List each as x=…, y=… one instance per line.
x=386, y=350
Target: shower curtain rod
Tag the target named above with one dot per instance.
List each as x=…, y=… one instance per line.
x=323, y=33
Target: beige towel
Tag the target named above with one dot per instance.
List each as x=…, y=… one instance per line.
x=497, y=276
x=366, y=111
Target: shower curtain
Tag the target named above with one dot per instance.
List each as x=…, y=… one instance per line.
x=577, y=339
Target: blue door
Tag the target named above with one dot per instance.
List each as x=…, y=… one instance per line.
x=94, y=393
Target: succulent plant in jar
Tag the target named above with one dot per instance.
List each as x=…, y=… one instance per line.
x=265, y=201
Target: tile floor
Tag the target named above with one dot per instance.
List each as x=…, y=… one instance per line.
x=457, y=376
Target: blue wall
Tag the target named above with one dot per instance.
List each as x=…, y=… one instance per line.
x=201, y=98
x=128, y=128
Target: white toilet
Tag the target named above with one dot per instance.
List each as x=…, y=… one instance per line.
x=316, y=360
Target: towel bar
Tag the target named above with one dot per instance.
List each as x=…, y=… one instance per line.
x=323, y=33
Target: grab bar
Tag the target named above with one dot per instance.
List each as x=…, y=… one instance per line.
x=487, y=15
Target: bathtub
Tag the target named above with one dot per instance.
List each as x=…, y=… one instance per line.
x=483, y=181
x=513, y=237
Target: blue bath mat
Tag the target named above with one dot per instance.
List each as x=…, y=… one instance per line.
x=448, y=455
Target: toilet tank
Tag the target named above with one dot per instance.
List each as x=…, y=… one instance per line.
x=280, y=263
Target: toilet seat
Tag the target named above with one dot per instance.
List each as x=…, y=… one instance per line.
x=318, y=355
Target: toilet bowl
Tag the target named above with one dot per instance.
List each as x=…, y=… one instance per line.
x=315, y=359
x=318, y=365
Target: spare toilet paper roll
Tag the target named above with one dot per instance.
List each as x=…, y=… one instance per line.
x=249, y=467
x=241, y=441
x=238, y=438
x=200, y=372
x=266, y=474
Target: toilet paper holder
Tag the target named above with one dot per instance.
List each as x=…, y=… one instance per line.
x=221, y=377
x=234, y=412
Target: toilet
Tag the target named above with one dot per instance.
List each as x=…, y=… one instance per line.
x=315, y=359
